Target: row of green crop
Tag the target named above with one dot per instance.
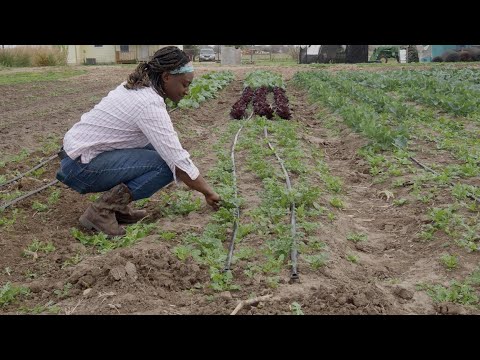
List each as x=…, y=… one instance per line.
x=259, y=78
x=450, y=135
x=458, y=220
x=357, y=105
x=427, y=88
x=203, y=88
x=269, y=221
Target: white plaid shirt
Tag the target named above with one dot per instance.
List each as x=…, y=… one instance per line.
x=126, y=119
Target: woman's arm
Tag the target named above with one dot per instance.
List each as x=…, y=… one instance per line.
x=199, y=184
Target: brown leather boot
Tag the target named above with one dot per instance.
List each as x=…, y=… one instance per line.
x=129, y=215
x=100, y=219
x=125, y=213
x=101, y=214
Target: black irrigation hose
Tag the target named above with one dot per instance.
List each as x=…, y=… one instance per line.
x=29, y=171
x=471, y=196
x=14, y=201
x=237, y=208
x=294, y=253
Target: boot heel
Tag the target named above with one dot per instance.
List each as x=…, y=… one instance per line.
x=87, y=224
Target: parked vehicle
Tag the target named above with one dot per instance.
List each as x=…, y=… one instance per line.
x=206, y=55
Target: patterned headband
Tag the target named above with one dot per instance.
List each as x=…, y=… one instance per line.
x=184, y=69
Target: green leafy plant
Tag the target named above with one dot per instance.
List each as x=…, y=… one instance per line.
x=356, y=237
x=9, y=293
x=337, y=203
x=74, y=260
x=38, y=206
x=399, y=202
x=8, y=222
x=222, y=281
x=167, y=235
x=272, y=281
x=457, y=292
x=296, y=308
x=316, y=261
x=38, y=246
x=449, y=261
x=49, y=307
x=64, y=292
x=134, y=233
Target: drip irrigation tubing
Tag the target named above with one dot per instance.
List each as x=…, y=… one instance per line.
x=14, y=201
x=237, y=208
x=29, y=171
x=294, y=252
x=471, y=196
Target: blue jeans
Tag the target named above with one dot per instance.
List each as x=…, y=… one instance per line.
x=142, y=170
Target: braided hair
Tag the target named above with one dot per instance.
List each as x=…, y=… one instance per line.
x=150, y=73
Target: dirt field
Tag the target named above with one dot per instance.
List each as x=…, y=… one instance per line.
x=147, y=278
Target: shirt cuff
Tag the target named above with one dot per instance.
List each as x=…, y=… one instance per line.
x=187, y=166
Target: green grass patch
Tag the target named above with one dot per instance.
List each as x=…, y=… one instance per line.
x=28, y=77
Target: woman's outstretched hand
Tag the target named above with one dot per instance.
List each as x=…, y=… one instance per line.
x=213, y=199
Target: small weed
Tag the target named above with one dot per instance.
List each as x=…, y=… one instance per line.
x=331, y=216
x=39, y=172
x=457, y=292
x=179, y=203
x=134, y=233
x=9, y=293
x=49, y=307
x=5, y=221
x=142, y=203
x=93, y=197
x=427, y=234
x=38, y=206
x=356, y=237
x=251, y=270
x=449, y=261
x=273, y=264
x=38, y=246
x=244, y=253
x=337, y=203
x=167, y=235
x=74, y=260
x=10, y=196
x=54, y=197
x=316, y=244
x=400, y=202
x=64, y=292
x=333, y=183
x=393, y=281
x=352, y=258
x=273, y=281
x=296, y=308
x=182, y=252
x=222, y=281
x=316, y=261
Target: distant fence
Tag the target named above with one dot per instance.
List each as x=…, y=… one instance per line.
x=129, y=57
x=256, y=58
